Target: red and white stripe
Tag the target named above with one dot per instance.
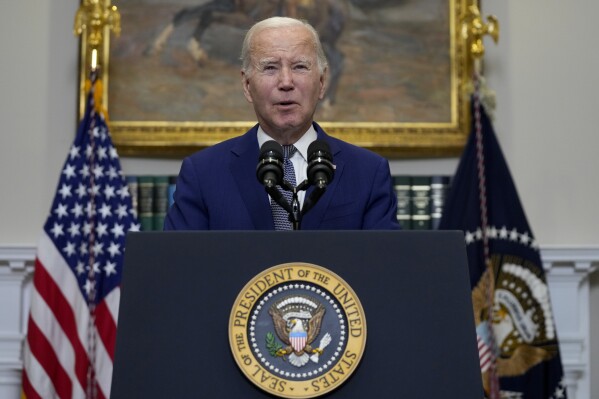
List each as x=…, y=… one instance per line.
x=485, y=354
x=298, y=343
x=56, y=361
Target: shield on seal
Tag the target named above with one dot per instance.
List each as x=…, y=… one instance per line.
x=298, y=340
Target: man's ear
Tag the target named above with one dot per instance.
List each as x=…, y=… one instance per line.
x=324, y=80
x=245, y=82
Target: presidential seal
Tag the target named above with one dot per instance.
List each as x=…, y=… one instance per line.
x=521, y=317
x=297, y=330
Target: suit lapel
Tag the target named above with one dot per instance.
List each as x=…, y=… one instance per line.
x=244, y=158
x=313, y=219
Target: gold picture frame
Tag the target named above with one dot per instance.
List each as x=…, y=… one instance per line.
x=161, y=137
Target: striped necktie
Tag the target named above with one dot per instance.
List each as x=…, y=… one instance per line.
x=280, y=215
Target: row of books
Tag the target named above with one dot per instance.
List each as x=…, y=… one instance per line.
x=152, y=196
x=420, y=199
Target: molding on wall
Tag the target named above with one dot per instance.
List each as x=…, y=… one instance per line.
x=568, y=270
x=16, y=271
x=17, y=257
x=567, y=267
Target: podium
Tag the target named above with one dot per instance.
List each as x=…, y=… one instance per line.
x=178, y=290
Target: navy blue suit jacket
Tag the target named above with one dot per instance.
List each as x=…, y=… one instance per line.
x=217, y=189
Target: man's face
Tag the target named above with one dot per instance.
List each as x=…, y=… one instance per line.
x=284, y=83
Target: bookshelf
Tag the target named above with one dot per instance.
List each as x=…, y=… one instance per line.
x=420, y=199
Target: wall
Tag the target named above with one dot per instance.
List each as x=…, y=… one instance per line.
x=37, y=110
x=543, y=70
x=546, y=81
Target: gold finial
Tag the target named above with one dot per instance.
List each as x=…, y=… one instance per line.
x=473, y=30
x=91, y=20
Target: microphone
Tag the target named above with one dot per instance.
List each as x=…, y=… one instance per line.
x=320, y=164
x=270, y=164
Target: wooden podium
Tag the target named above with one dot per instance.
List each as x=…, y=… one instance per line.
x=178, y=290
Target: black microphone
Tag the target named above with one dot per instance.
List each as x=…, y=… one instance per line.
x=270, y=164
x=320, y=164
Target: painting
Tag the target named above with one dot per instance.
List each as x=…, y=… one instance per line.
x=396, y=74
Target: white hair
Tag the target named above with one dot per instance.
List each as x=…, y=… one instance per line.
x=280, y=22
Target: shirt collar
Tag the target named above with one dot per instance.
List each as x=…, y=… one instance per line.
x=302, y=144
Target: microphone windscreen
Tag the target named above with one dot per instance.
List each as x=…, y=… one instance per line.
x=319, y=148
x=320, y=164
x=275, y=149
x=270, y=164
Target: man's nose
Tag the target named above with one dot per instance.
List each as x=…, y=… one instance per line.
x=286, y=79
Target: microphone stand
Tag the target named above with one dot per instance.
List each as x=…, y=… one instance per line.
x=295, y=214
x=310, y=201
x=293, y=208
x=270, y=172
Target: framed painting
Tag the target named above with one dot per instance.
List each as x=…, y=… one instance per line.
x=398, y=72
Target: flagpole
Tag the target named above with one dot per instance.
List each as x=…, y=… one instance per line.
x=473, y=31
x=94, y=60
x=494, y=390
x=93, y=20
x=517, y=344
x=91, y=392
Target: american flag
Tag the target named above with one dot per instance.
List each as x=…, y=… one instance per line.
x=68, y=352
x=485, y=351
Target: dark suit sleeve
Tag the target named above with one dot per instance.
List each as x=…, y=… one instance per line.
x=189, y=211
x=381, y=213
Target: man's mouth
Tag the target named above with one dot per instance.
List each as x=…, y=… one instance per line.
x=285, y=103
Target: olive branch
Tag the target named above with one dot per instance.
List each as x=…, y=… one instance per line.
x=271, y=344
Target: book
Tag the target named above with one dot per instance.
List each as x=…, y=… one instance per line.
x=401, y=186
x=160, y=201
x=133, y=185
x=172, y=185
x=146, y=202
x=420, y=189
x=439, y=188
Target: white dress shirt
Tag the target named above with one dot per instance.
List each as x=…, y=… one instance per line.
x=299, y=159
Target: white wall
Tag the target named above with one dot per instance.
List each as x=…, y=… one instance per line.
x=38, y=86
x=544, y=71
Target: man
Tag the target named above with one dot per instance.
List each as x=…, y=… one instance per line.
x=284, y=76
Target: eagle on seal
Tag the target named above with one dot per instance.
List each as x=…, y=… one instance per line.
x=298, y=334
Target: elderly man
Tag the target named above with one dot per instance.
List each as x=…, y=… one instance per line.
x=283, y=75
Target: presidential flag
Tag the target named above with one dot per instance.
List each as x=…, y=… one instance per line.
x=68, y=352
x=518, y=345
